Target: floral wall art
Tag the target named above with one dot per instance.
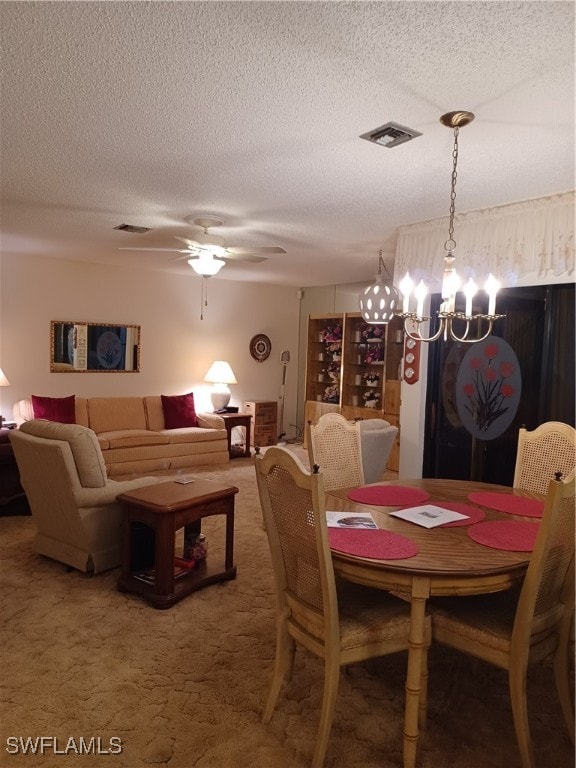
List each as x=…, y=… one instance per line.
x=488, y=388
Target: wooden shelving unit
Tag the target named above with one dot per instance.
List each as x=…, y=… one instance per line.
x=347, y=360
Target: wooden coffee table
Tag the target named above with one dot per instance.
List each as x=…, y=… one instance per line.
x=155, y=513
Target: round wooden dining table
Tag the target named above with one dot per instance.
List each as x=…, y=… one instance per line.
x=448, y=562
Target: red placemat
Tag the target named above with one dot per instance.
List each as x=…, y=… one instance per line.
x=473, y=514
x=388, y=495
x=506, y=502
x=515, y=535
x=377, y=545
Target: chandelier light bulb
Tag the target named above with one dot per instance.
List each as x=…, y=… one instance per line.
x=450, y=285
x=470, y=290
x=406, y=286
x=491, y=287
x=420, y=294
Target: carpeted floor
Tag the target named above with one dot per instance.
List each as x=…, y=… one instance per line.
x=184, y=687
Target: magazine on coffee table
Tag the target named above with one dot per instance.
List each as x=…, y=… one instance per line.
x=350, y=520
x=428, y=515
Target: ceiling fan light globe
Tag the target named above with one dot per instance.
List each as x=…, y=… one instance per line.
x=206, y=266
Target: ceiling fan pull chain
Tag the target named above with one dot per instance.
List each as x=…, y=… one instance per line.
x=203, y=296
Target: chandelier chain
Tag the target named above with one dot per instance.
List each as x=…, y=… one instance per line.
x=453, y=193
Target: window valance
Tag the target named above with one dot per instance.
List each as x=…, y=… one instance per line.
x=533, y=238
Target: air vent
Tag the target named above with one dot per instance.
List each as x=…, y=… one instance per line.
x=390, y=135
x=133, y=228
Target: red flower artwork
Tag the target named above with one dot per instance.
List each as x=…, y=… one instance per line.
x=487, y=391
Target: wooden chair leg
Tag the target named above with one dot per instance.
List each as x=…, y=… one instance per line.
x=517, y=685
x=283, y=664
x=331, y=680
x=561, y=676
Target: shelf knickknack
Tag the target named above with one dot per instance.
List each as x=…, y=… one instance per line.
x=80, y=347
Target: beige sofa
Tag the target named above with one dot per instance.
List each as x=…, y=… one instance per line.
x=133, y=438
x=73, y=503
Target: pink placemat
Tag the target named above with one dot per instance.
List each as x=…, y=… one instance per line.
x=388, y=495
x=505, y=502
x=515, y=535
x=473, y=514
x=377, y=545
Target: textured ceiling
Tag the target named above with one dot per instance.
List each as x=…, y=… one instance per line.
x=149, y=113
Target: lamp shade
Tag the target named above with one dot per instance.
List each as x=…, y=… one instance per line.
x=379, y=302
x=220, y=374
x=3, y=380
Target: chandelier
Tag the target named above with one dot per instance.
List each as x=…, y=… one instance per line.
x=463, y=326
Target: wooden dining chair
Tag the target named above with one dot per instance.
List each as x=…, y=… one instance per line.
x=338, y=621
x=520, y=627
x=334, y=444
x=542, y=452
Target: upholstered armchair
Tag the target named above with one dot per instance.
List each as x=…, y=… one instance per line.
x=73, y=503
x=377, y=440
x=350, y=453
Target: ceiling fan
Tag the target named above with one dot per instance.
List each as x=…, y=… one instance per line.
x=207, y=254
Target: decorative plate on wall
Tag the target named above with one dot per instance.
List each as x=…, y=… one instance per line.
x=260, y=347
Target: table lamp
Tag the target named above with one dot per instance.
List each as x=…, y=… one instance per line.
x=220, y=375
x=3, y=383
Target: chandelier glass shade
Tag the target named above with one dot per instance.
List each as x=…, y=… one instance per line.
x=460, y=325
x=379, y=301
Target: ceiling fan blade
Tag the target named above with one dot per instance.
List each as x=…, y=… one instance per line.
x=187, y=241
x=251, y=257
x=174, y=250
x=183, y=258
x=257, y=249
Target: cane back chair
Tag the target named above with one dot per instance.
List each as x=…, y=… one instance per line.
x=548, y=449
x=338, y=621
x=517, y=628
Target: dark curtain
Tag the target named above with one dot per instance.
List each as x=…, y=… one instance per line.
x=557, y=393
x=540, y=327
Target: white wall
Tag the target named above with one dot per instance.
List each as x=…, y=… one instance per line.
x=177, y=348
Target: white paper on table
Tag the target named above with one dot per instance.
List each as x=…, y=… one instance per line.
x=428, y=515
x=350, y=520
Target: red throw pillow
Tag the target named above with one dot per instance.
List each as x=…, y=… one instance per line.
x=62, y=409
x=179, y=411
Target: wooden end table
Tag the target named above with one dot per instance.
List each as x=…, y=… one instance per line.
x=164, y=509
x=232, y=420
